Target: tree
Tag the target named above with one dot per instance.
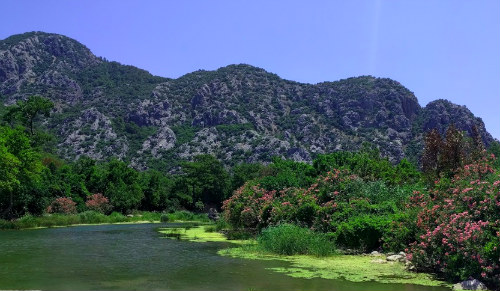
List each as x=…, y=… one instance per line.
x=121, y=186
x=281, y=174
x=433, y=145
x=206, y=180
x=453, y=154
x=243, y=173
x=9, y=171
x=477, y=146
x=27, y=111
x=19, y=166
x=444, y=157
x=156, y=188
x=406, y=172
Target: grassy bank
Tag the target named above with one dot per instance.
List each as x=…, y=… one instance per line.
x=92, y=217
x=355, y=268
x=310, y=257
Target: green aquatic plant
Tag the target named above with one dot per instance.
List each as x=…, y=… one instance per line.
x=289, y=239
x=198, y=234
x=355, y=268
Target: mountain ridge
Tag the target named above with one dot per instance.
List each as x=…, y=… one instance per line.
x=237, y=112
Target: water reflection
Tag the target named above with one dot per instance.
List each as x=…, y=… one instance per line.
x=135, y=257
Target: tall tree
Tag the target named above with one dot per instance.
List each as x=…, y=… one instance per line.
x=121, y=186
x=453, y=150
x=27, y=111
x=477, y=147
x=433, y=145
x=206, y=179
x=19, y=165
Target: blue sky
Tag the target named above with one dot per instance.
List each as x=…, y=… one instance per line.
x=437, y=49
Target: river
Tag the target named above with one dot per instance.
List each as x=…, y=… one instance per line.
x=136, y=257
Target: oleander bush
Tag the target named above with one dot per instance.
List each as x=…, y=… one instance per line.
x=99, y=203
x=459, y=225
x=62, y=205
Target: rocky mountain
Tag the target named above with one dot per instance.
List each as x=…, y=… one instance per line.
x=238, y=113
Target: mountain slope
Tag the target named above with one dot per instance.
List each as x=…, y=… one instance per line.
x=238, y=113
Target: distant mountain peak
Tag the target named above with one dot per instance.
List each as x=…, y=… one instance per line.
x=237, y=112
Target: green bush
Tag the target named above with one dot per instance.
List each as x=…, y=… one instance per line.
x=92, y=217
x=402, y=231
x=210, y=228
x=289, y=239
x=362, y=233
x=117, y=217
x=221, y=224
x=6, y=224
x=145, y=216
x=27, y=221
x=238, y=234
x=164, y=218
x=184, y=215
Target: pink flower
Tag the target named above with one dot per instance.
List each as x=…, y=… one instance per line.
x=467, y=190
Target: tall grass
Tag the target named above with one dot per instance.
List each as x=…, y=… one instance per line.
x=92, y=217
x=184, y=215
x=289, y=239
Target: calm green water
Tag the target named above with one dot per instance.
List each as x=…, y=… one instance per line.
x=135, y=257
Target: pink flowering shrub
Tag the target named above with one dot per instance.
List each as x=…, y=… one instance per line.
x=98, y=202
x=63, y=205
x=253, y=206
x=459, y=226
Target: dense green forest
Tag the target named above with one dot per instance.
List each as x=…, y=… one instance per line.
x=445, y=216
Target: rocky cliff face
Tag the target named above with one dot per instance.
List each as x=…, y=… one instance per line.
x=43, y=63
x=238, y=113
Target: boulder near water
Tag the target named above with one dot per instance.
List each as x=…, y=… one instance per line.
x=472, y=284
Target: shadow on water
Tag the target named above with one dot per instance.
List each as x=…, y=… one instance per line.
x=135, y=257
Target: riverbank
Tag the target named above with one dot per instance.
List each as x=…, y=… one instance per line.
x=200, y=233
x=354, y=268
x=95, y=218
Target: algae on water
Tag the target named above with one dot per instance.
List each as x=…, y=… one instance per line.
x=354, y=268
x=197, y=234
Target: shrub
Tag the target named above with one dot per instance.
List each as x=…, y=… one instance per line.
x=185, y=215
x=99, y=203
x=145, y=216
x=117, y=217
x=221, y=224
x=92, y=217
x=459, y=226
x=239, y=234
x=63, y=205
x=210, y=228
x=199, y=206
x=164, y=217
x=401, y=232
x=7, y=224
x=27, y=221
x=363, y=233
x=182, y=215
x=289, y=239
